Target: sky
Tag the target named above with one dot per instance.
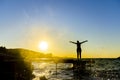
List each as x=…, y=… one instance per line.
x=25, y=23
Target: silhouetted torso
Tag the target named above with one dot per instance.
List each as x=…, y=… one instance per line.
x=78, y=45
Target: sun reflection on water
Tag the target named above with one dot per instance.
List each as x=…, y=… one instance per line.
x=49, y=70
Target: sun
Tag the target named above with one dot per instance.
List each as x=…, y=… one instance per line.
x=43, y=45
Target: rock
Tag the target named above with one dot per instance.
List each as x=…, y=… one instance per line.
x=43, y=78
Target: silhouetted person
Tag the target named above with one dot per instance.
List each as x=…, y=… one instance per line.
x=79, y=50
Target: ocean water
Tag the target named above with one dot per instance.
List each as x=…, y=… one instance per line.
x=102, y=69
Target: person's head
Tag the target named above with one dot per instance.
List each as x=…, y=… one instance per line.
x=77, y=41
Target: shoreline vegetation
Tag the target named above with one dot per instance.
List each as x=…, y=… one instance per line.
x=16, y=63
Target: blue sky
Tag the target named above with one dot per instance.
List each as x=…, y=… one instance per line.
x=24, y=23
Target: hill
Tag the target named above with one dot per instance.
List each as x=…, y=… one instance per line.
x=16, y=63
x=25, y=54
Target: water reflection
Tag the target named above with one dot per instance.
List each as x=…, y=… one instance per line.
x=64, y=71
x=49, y=70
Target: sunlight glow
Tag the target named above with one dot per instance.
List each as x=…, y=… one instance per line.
x=43, y=45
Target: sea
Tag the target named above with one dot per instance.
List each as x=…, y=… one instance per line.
x=100, y=69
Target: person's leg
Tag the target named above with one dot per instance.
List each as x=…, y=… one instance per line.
x=77, y=54
x=80, y=53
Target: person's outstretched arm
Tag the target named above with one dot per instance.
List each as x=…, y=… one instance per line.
x=73, y=42
x=84, y=41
